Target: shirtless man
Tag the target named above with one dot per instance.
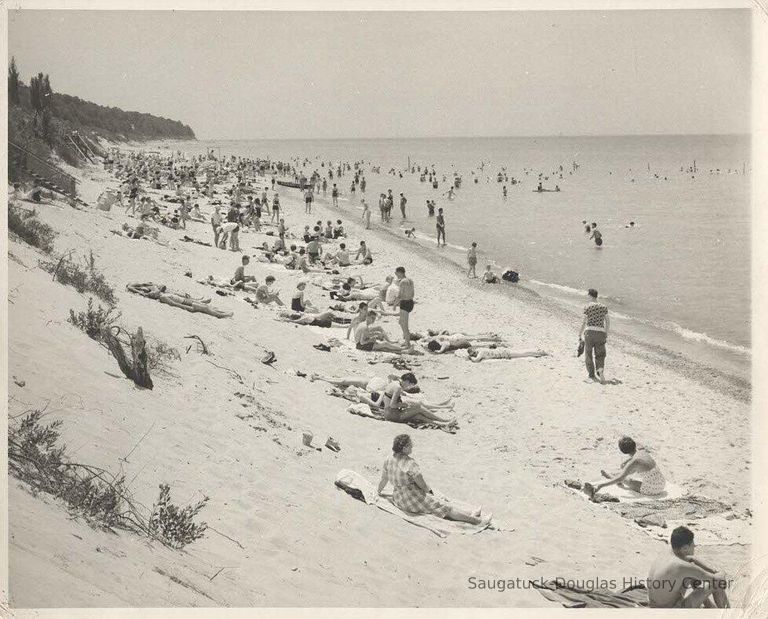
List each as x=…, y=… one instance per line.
x=678, y=580
x=370, y=340
x=405, y=300
x=641, y=464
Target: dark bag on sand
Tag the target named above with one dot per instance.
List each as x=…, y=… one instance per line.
x=511, y=276
x=580, y=349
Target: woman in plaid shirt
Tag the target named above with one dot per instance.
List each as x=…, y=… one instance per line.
x=412, y=494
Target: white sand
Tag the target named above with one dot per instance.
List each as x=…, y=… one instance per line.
x=525, y=425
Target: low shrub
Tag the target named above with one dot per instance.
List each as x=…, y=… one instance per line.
x=92, y=321
x=30, y=229
x=102, y=498
x=175, y=526
x=84, y=278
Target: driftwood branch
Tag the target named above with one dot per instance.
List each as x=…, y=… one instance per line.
x=136, y=368
x=203, y=347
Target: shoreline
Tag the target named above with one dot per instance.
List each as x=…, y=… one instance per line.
x=730, y=373
x=525, y=425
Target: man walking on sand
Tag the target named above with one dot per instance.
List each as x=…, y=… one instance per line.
x=403, y=201
x=405, y=301
x=594, y=333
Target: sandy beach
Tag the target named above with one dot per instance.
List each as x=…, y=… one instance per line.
x=229, y=427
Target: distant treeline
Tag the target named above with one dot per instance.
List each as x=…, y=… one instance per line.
x=109, y=121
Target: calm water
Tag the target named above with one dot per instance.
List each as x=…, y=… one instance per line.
x=685, y=267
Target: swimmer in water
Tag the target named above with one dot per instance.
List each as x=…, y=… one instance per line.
x=597, y=235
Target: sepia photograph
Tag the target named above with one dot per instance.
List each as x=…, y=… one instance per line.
x=454, y=308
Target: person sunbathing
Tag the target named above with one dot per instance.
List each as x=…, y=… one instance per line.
x=183, y=301
x=489, y=277
x=371, y=388
x=412, y=494
x=240, y=275
x=677, y=579
x=347, y=294
x=325, y=320
x=502, y=353
x=640, y=464
x=440, y=344
x=368, y=339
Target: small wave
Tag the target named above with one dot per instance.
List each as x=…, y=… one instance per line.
x=560, y=287
x=703, y=337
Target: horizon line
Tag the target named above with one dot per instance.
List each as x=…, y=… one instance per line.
x=471, y=137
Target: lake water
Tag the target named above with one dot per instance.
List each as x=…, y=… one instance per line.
x=683, y=268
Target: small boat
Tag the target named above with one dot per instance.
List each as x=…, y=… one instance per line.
x=294, y=184
x=545, y=190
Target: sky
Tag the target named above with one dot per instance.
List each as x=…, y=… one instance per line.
x=275, y=74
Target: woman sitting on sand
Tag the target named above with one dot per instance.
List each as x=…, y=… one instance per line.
x=412, y=494
x=501, y=353
x=639, y=464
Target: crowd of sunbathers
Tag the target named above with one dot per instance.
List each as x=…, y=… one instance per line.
x=358, y=308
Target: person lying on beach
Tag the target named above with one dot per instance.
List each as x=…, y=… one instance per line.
x=502, y=353
x=412, y=494
x=369, y=390
x=240, y=275
x=326, y=319
x=489, y=277
x=264, y=292
x=183, y=301
x=639, y=464
x=445, y=343
x=374, y=340
x=347, y=294
x=677, y=579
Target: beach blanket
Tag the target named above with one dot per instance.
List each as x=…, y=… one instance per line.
x=573, y=597
x=361, y=489
x=712, y=521
x=363, y=410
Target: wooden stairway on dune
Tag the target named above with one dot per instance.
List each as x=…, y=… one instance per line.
x=46, y=174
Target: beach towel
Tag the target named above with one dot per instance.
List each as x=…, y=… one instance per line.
x=361, y=489
x=573, y=597
x=712, y=521
x=363, y=410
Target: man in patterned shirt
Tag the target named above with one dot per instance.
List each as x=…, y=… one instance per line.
x=594, y=332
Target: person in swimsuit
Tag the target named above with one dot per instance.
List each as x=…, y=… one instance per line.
x=472, y=260
x=440, y=344
x=326, y=320
x=369, y=340
x=405, y=296
x=477, y=356
x=396, y=410
x=677, y=579
x=440, y=225
x=298, y=303
x=412, y=494
x=597, y=235
x=639, y=464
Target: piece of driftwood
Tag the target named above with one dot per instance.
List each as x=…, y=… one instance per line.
x=134, y=368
